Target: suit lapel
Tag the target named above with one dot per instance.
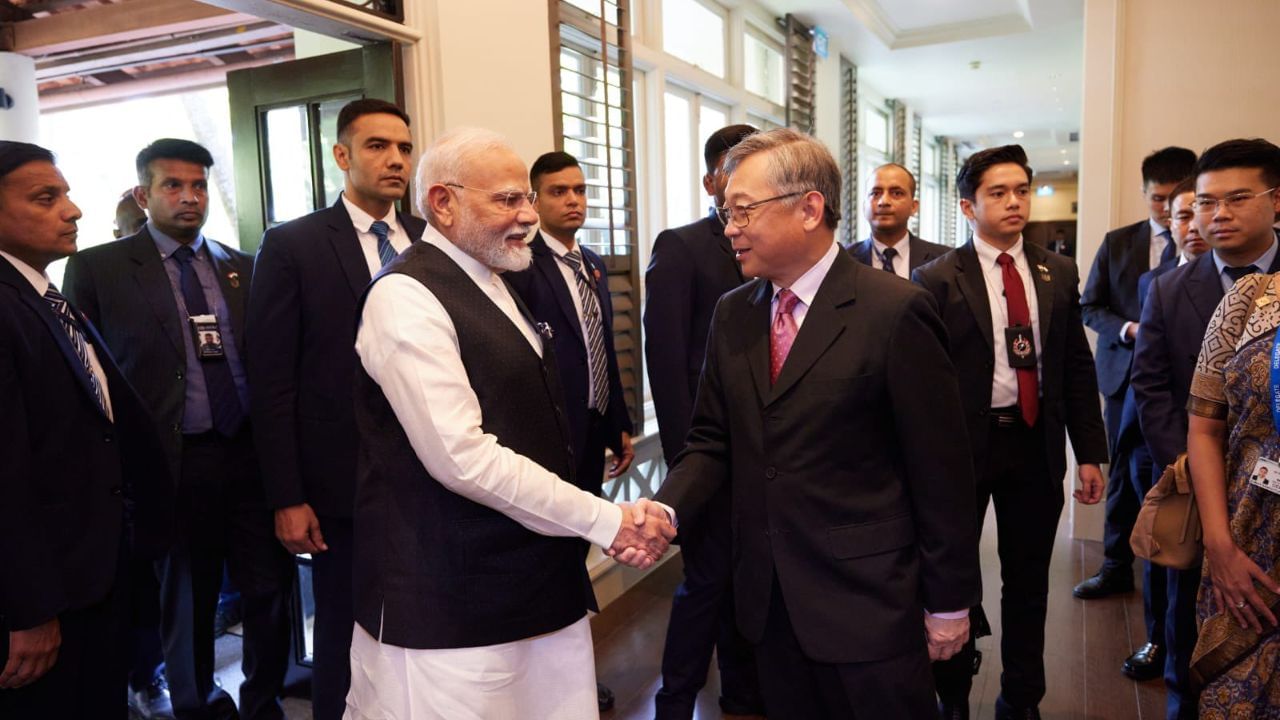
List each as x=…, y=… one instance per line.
x=346, y=245
x=822, y=324
x=758, y=318
x=231, y=284
x=1203, y=287
x=153, y=281
x=600, y=286
x=1043, y=281
x=724, y=244
x=545, y=260
x=408, y=228
x=861, y=251
x=973, y=286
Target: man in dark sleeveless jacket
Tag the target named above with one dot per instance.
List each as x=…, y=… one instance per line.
x=469, y=520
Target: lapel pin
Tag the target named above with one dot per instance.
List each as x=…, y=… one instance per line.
x=544, y=329
x=233, y=279
x=1044, y=272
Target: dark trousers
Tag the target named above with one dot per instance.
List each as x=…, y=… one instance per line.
x=702, y=620
x=1122, y=502
x=335, y=620
x=145, y=652
x=1180, y=638
x=798, y=688
x=222, y=518
x=1154, y=577
x=1028, y=504
x=88, y=680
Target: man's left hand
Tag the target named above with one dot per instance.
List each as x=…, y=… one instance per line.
x=1092, y=485
x=946, y=637
x=622, y=459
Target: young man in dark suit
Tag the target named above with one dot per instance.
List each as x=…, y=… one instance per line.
x=854, y=562
x=309, y=275
x=889, y=205
x=690, y=267
x=171, y=306
x=1026, y=377
x=1174, y=318
x=85, y=490
x=1111, y=308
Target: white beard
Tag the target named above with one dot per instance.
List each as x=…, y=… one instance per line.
x=492, y=250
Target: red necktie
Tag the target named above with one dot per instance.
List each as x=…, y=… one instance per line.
x=1015, y=296
x=782, y=334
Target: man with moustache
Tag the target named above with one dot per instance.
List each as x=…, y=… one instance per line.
x=1174, y=319
x=171, y=305
x=1111, y=306
x=889, y=205
x=1026, y=376
x=84, y=494
x=308, y=278
x=471, y=594
x=690, y=267
x=854, y=562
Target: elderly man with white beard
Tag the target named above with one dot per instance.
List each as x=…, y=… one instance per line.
x=471, y=595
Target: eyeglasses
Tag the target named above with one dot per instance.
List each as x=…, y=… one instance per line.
x=509, y=199
x=741, y=214
x=1234, y=201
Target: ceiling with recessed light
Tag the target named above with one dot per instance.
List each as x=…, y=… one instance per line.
x=976, y=70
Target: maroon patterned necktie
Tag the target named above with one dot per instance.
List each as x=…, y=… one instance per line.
x=782, y=334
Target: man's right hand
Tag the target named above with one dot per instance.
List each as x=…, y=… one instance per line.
x=643, y=537
x=32, y=653
x=298, y=530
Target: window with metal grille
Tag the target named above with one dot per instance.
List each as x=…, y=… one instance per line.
x=848, y=151
x=801, y=69
x=594, y=119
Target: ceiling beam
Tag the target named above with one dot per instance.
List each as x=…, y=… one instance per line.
x=120, y=22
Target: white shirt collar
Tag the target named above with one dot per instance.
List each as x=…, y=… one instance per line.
x=904, y=240
x=1156, y=229
x=362, y=220
x=806, y=286
x=38, y=280
x=556, y=246
x=473, y=267
x=1263, y=263
x=988, y=253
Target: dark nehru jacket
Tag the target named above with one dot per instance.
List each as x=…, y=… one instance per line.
x=433, y=569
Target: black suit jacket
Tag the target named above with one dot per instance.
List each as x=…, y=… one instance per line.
x=309, y=275
x=1174, y=319
x=123, y=288
x=689, y=269
x=71, y=477
x=544, y=291
x=922, y=251
x=850, y=478
x=1110, y=300
x=1068, y=389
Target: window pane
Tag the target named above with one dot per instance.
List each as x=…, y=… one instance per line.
x=764, y=71
x=761, y=122
x=288, y=141
x=333, y=178
x=710, y=119
x=929, y=160
x=929, y=211
x=694, y=33
x=877, y=124
x=679, y=150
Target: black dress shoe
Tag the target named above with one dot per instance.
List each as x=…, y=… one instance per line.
x=953, y=710
x=1146, y=664
x=1105, y=583
x=151, y=702
x=1005, y=711
x=604, y=697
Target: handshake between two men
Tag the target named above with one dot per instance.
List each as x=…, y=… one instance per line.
x=647, y=532
x=644, y=536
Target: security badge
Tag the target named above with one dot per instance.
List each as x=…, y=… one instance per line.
x=207, y=337
x=1266, y=475
x=1020, y=344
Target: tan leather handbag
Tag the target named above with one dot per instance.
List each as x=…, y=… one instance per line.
x=1167, y=531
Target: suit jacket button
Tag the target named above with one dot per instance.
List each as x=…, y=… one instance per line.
x=770, y=473
x=178, y=374
x=176, y=428
x=107, y=437
x=116, y=491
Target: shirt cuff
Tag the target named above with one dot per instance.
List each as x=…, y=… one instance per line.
x=607, y=523
x=1124, y=332
x=671, y=513
x=956, y=615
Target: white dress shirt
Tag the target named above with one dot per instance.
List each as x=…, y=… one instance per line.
x=805, y=287
x=901, y=262
x=362, y=220
x=41, y=283
x=560, y=251
x=1157, y=244
x=1004, y=381
x=1260, y=265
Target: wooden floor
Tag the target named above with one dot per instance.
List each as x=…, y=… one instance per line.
x=1085, y=644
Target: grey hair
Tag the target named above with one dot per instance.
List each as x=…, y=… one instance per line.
x=799, y=163
x=446, y=160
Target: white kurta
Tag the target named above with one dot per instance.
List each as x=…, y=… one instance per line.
x=408, y=345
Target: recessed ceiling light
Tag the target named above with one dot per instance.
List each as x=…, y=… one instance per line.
x=1063, y=151
x=1018, y=134
x=1066, y=162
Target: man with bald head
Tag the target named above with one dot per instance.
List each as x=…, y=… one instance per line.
x=889, y=205
x=471, y=595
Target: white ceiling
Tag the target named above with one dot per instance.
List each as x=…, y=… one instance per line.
x=1029, y=55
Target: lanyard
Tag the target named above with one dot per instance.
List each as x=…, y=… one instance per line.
x=1275, y=383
